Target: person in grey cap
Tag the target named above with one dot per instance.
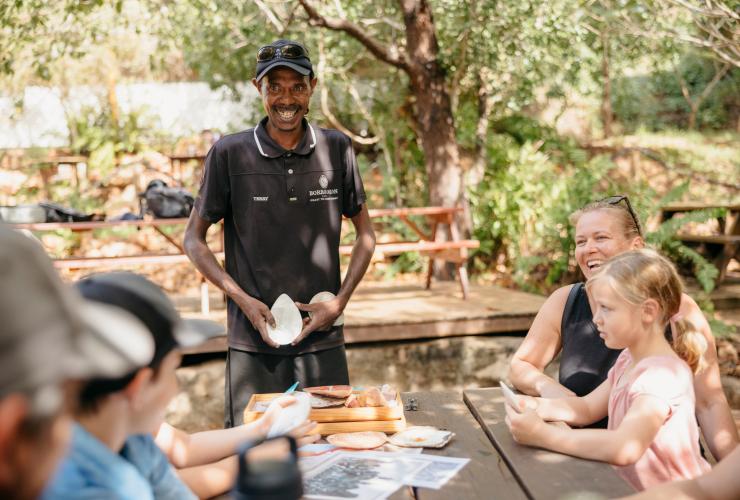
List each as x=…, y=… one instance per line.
x=49, y=339
x=121, y=447
x=281, y=189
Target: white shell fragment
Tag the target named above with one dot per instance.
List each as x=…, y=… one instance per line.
x=323, y=297
x=290, y=416
x=421, y=437
x=288, y=323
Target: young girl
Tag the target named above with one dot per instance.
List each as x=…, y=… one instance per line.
x=648, y=395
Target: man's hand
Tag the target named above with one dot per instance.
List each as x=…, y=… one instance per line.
x=323, y=316
x=259, y=315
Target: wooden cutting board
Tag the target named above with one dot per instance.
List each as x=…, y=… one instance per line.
x=342, y=419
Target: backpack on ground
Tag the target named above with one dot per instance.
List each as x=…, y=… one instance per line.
x=165, y=202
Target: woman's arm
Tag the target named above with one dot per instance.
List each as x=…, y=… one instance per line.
x=574, y=410
x=712, y=411
x=538, y=349
x=622, y=446
x=721, y=483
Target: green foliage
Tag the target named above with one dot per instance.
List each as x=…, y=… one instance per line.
x=95, y=132
x=654, y=99
x=521, y=207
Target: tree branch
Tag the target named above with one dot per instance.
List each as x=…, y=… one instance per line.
x=320, y=72
x=375, y=47
x=270, y=15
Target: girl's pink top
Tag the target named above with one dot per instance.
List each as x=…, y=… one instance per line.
x=674, y=453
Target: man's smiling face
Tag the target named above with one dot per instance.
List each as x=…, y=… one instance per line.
x=285, y=96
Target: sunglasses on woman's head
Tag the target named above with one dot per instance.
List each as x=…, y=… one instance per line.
x=288, y=51
x=616, y=200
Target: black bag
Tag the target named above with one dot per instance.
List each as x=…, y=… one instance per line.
x=58, y=213
x=166, y=202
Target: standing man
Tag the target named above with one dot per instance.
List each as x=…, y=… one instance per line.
x=281, y=189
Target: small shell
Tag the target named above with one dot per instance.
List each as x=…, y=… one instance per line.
x=421, y=437
x=358, y=440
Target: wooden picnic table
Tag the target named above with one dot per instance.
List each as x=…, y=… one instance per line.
x=720, y=247
x=542, y=474
x=499, y=467
x=427, y=242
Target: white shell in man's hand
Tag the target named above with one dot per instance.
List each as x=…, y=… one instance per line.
x=288, y=323
x=324, y=297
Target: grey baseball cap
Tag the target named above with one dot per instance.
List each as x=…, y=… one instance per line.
x=49, y=333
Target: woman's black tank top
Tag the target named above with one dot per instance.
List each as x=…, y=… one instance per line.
x=585, y=360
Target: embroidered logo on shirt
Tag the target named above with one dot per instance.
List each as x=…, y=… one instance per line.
x=323, y=181
x=260, y=198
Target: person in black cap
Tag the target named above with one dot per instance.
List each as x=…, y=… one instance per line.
x=120, y=446
x=281, y=189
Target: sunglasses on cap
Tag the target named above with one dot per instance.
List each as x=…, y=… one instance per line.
x=287, y=51
x=616, y=200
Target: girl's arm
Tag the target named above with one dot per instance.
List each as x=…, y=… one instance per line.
x=188, y=450
x=712, y=411
x=574, y=410
x=622, y=446
x=721, y=483
x=210, y=480
x=538, y=349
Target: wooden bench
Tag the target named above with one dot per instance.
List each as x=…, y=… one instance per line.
x=454, y=250
x=720, y=247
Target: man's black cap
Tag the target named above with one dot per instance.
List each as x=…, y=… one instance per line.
x=301, y=64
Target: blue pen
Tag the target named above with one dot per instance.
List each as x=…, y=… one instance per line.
x=291, y=389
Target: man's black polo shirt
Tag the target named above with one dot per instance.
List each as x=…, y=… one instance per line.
x=282, y=213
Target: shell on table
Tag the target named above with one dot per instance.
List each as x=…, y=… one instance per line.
x=421, y=437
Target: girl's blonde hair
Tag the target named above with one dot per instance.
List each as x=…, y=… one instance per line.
x=630, y=225
x=639, y=275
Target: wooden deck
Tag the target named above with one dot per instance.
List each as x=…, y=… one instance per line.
x=390, y=311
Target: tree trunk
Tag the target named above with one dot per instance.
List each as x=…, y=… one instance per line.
x=693, y=110
x=606, y=96
x=433, y=105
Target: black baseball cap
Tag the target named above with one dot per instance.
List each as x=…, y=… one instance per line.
x=297, y=58
x=145, y=301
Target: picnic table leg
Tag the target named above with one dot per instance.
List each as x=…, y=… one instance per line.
x=729, y=250
x=462, y=271
x=205, y=304
x=430, y=268
x=464, y=285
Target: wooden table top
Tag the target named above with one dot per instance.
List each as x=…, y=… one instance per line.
x=486, y=472
x=542, y=474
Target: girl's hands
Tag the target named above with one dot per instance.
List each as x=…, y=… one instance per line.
x=300, y=433
x=526, y=427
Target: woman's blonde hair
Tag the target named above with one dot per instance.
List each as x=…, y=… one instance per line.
x=639, y=275
x=628, y=222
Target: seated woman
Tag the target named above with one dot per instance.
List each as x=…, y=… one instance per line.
x=564, y=325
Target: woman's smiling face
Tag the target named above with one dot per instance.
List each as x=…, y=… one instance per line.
x=599, y=236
